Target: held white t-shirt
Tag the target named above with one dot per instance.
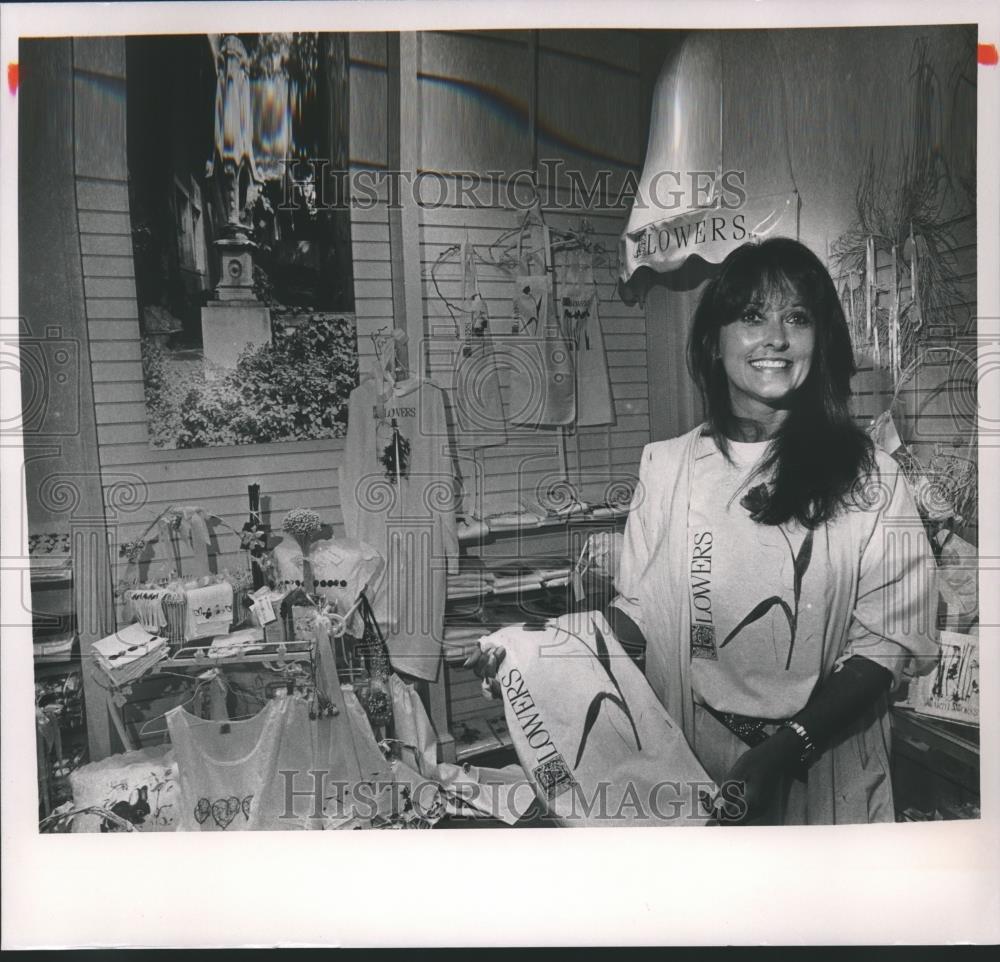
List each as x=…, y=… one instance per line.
x=755, y=649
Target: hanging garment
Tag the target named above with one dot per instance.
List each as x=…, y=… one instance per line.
x=579, y=299
x=229, y=772
x=341, y=569
x=397, y=495
x=345, y=748
x=145, y=605
x=413, y=728
x=478, y=408
x=209, y=611
x=538, y=353
x=539, y=358
x=589, y=731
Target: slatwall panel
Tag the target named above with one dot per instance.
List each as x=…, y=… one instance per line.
x=291, y=474
x=596, y=456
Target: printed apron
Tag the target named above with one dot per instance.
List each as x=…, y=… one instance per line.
x=478, y=406
x=538, y=353
x=578, y=297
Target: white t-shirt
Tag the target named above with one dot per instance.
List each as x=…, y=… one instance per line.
x=755, y=649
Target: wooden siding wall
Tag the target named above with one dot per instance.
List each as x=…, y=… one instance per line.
x=140, y=481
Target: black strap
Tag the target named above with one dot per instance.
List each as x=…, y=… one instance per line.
x=748, y=730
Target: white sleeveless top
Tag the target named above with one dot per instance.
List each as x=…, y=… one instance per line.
x=229, y=771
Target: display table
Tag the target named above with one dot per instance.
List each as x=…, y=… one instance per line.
x=193, y=658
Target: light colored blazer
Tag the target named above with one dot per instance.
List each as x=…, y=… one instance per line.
x=882, y=599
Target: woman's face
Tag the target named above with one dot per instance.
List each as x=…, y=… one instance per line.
x=767, y=352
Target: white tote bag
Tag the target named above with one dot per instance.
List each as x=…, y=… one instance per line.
x=589, y=731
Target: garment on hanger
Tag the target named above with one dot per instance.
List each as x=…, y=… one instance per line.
x=209, y=611
x=145, y=605
x=579, y=300
x=479, y=416
x=345, y=748
x=538, y=353
x=229, y=772
x=397, y=495
x=341, y=568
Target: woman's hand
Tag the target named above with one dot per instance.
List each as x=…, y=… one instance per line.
x=485, y=662
x=749, y=787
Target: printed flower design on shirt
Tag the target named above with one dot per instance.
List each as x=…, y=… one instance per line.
x=395, y=456
x=594, y=709
x=754, y=501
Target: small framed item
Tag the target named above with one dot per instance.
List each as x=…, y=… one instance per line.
x=304, y=622
x=952, y=690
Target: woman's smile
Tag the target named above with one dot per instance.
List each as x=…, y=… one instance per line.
x=767, y=353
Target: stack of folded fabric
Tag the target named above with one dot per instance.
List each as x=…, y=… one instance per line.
x=469, y=529
x=58, y=648
x=530, y=574
x=554, y=576
x=470, y=584
x=516, y=582
x=461, y=639
x=238, y=643
x=129, y=653
x=503, y=512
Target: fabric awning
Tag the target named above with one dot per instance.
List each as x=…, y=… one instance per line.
x=718, y=168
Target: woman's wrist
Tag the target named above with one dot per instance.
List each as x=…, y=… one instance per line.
x=786, y=748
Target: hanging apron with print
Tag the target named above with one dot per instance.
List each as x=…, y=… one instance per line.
x=476, y=399
x=538, y=353
x=578, y=298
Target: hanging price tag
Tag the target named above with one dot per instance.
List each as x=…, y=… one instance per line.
x=262, y=607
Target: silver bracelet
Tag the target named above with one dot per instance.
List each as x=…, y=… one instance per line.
x=809, y=748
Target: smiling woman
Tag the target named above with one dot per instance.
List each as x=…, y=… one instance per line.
x=766, y=353
x=771, y=353
x=764, y=635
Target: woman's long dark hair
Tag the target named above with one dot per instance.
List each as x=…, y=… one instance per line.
x=819, y=452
